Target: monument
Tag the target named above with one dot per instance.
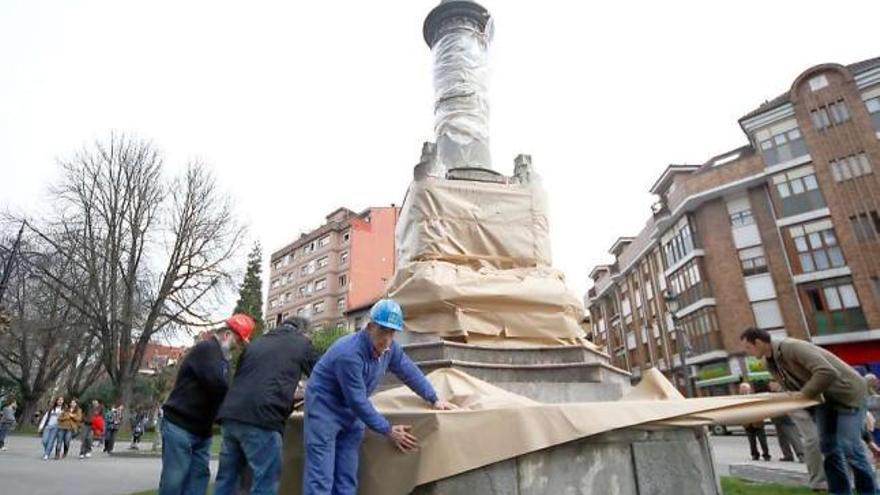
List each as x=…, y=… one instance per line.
x=475, y=278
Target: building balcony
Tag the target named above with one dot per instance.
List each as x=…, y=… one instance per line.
x=838, y=322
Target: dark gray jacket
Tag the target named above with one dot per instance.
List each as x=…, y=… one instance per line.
x=267, y=376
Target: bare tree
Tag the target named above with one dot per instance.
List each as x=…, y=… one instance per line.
x=152, y=254
x=86, y=365
x=43, y=334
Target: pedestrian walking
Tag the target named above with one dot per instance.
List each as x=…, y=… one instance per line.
x=787, y=434
x=68, y=422
x=190, y=410
x=88, y=434
x=138, y=424
x=800, y=366
x=337, y=405
x=803, y=420
x=255, y=409
x=49, y=426
x=7, y=421
x=755, y=431
x=111, y=427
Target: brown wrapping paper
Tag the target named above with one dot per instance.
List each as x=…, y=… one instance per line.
x=476, y=223
x=495, y=425
x=529, y=303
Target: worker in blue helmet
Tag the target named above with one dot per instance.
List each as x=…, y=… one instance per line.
x=337, y=405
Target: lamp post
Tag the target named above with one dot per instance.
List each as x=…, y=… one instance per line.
x=672, y=304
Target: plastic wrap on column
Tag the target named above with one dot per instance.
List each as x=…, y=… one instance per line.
x=461, y=112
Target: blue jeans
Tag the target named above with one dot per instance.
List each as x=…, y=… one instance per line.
x=62, y=442
x=258, y=448
x=840, y=441
x=185, y=459
x=50, y=434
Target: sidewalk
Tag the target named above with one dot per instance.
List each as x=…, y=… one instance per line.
x=787, y=473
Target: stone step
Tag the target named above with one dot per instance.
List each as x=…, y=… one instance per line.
x=438, y=350
x=544, y=382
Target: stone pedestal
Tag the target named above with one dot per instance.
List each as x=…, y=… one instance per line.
x=632, y=461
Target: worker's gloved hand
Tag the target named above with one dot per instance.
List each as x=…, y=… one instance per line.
x=442, y=405
x=402, y=438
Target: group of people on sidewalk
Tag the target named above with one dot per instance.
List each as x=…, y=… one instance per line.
x=834, y=437
x=64, y=420
x=252, y=411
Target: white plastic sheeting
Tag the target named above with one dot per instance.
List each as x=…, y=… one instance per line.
x=461, y=108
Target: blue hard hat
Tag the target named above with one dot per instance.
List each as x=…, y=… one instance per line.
x=387, y=313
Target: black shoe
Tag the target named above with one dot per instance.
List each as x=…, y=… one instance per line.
x=755, y=458
x=786, y=459
x=767, y=457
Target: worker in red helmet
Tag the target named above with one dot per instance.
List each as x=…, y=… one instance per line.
x=190, y=411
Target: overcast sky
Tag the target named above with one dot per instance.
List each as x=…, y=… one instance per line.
x=301, y=107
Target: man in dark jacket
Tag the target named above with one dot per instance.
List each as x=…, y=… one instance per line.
x=192, y=406
x=800, y=366
x=258, y=404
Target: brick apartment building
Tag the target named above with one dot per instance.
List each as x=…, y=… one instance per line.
x=158, y=357
x=782, y=233
x=333, y=274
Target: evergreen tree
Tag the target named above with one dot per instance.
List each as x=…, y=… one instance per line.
x=250, y=295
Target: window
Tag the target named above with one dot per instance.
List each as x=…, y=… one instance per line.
x=874, y=109
x=275, y=283
x=799, y=191
x=820, y=118
x=309, y=248
x=850, y=167
x=767, y=314
x=818, y=82
x=753, y=260
x=346, y=236
x=783, y=147
x=680, y=243
x=340, y=304
x=276, y=265
x=875, y=282
x=343, y=257
x=304, y=270
x=286, y=296
x=701, y=331
x=741, y=218
x=829, y=115
x=686, y=284
x=866, y=225
x=834, y=307
x=817, y=247
x=320, y=284
x=324, y=241
x=319, y=307
x=303, y=290
x=343, y=280
x=323, y=262
x=286, y=259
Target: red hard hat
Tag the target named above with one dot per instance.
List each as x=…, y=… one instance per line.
x=242, y=325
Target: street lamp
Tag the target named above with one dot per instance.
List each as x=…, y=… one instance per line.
x=672, y=305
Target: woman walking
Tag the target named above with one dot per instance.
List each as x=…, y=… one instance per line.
x=49, y=426
x=92, y=429
x=68, y=422
x=7, y=421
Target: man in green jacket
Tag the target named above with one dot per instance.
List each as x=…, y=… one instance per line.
x=818, y=374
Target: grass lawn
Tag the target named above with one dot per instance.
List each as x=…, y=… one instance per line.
x=736, y=486
x=729, y=486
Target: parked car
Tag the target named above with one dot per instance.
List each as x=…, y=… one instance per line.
x=721, y=430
